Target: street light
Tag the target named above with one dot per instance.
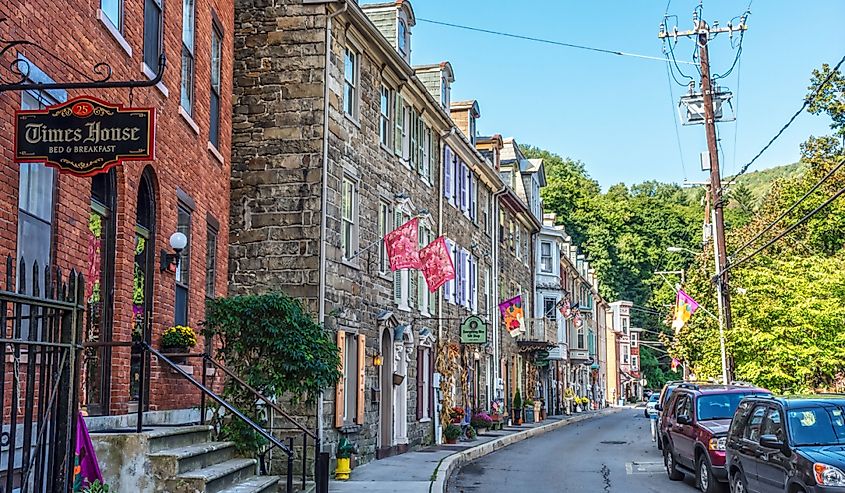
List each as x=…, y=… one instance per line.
x=674, y=249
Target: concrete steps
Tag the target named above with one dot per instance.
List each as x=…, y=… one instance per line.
x=186, y=460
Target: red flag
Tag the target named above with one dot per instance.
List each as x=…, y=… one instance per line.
x=402, y=245
x=437, y=266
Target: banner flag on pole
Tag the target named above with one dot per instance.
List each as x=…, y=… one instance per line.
x=685, y=306
x=675, y=363
x=514, y=315
x=436, y=264
x=565, y=308
x=402, y=246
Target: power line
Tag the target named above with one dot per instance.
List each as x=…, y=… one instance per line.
x=792, y=208
x=736, y=112
x=675, y=121
x=542, y=40
x=809, y=99
x=787, y=231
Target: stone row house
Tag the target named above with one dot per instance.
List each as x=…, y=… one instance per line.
x=337, y=140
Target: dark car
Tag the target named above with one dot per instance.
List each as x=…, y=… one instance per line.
x=665, y=394
x=788, y=445
x=694, y=429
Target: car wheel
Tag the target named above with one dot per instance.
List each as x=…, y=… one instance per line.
x=740, y=485
x=671, y=468
x=704, y=477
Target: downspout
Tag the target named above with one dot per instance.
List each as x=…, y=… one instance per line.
x=441, y=180
x=497, y=372
x=321, y=296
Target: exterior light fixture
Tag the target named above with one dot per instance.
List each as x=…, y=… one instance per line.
x=377, y=360
x=170, y=261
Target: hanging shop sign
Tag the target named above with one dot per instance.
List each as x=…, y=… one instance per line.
x=473, y=331
x=84, y=136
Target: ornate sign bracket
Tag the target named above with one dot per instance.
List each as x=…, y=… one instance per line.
x=20, y=69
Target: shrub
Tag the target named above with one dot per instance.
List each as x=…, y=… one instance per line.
x=471, y=433
x=517, y=400
x=481, y=420
x=179, y=336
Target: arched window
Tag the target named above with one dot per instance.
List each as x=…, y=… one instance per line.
x=144, y=252
x=99, y=290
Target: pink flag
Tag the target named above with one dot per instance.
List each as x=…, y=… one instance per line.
x=675, y=363
x=685, y=306
x=514, y=315
x=402, y=246
x=436, y=264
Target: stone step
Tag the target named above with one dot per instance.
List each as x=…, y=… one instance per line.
x=213, y=479
x=256, y=484
x=171, y=462
x=179, y=436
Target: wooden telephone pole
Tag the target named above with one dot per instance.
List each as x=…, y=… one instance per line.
x=702, y=34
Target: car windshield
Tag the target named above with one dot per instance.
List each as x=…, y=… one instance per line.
x=817, y=425
x=718, y=406
x=653, y=398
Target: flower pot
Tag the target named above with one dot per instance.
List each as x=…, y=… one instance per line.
x=167, y=351
x=452, y=441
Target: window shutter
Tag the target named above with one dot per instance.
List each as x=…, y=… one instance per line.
x=431, y=392
x=473, y=284
x=463, y=199
x=397, y=286
x=339, y=396
x=413, y=278
x=419, y=384
x=458, y=277
x=474, y=199
x=469, y=193
x=397, y=124
x=432, y=302
x=449, y=286
x=447, y=173
x=362, y=374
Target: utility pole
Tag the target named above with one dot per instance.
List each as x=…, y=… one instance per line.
x=702, y=34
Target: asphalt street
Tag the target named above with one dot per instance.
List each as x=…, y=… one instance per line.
x=611, y=453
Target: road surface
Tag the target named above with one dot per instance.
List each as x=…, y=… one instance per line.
x=612, y=453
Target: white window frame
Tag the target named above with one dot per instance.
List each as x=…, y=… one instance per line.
x=543, y=256
x=187, y=94
x=348, y=247
x=351, y=88
x=386, y=118
x=350, y=378
x=384, y=222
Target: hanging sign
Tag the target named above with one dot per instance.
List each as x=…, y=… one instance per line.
x=84, y=136
x=473, y=331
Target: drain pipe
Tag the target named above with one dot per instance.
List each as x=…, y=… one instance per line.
x=321, y=297
x=443, y=137
x=494, y=278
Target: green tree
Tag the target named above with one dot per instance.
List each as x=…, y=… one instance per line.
x=830, y=99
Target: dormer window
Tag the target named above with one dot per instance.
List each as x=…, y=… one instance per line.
x=444, y=92
x=402, y=37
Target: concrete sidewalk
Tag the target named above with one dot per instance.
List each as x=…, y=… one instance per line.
x=427, y=470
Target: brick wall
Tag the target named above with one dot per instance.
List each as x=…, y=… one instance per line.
x=72, y=32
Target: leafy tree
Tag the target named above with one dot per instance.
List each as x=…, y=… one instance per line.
x=830, y=99
x=651, y=368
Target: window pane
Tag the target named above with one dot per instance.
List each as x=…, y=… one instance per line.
x=183, y=225
x=187, y=85
x=152, y=34
x=112, y=9
x=181, y=316
x=214, y=127
x=210, y=262
x=216, y=46
x=188, y=24
x=36, y=190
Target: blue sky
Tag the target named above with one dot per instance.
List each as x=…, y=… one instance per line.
x=614, y=113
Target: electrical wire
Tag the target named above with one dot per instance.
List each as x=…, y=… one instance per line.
x=809, y=99
x=675, y=121
x=786, y=232
x=736, y=113
x=791, y=208
x=542, y=40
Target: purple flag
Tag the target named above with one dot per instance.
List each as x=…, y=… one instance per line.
x=86, y=470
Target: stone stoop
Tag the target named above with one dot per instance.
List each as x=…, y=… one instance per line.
x=185, y=460
x=181, y=459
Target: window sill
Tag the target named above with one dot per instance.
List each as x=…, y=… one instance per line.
x=214, y=152
x=386, y=276
x=352, y=264
x=352, y=119
x=425, y=420
x=147, y=71
x=350, y=428
x=386, y=149
x=190, y=121
x=101, y=16
x=404, y=308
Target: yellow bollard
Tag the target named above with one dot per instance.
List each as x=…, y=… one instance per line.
x=342, y=471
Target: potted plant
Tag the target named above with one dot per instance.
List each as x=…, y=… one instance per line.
x=481, y=421
x=529, y=411
x=345, y=451
x=452, y=432
x=457, y=414
x=471, y=433
x=516, y=410
x=96, y=487
x=178, y=339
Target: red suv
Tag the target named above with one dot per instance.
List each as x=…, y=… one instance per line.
x=694, y=427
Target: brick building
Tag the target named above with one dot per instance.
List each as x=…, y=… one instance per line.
x=114, y=226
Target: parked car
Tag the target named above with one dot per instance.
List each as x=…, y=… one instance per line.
x=694, y=429
x=665, y=394
x=651, y=404
x=788, y=445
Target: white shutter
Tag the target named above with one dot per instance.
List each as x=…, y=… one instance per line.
x=449, y=287
x=474, y=199
x=447, y=173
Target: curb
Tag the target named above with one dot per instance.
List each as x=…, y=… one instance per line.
x=452, y=462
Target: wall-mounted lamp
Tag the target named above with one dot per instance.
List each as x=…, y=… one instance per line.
x=170, y=261
x=377, y=360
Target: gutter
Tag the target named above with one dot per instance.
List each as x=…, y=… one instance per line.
x=321, y=296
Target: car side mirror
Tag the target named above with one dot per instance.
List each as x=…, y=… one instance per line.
x=684, y=420
x=659, y=407
x=773, y=442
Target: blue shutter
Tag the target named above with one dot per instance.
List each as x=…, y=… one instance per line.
x=447, y=170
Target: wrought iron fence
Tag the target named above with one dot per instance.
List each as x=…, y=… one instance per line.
x=41, y=315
